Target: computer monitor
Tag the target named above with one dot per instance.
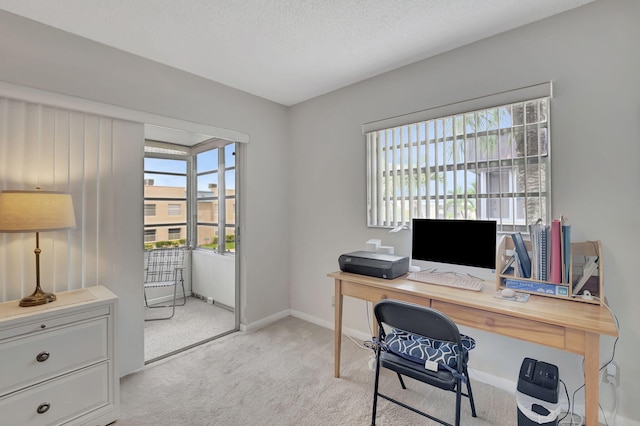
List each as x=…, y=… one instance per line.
x=454, y=245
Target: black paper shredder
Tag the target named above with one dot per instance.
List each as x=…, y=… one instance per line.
x=537, y=393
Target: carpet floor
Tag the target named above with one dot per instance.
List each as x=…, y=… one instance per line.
x=194, y=322
x=283, y=375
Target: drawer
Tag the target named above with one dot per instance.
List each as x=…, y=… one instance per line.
x=374, y=294
x=45, y=323
x=40, y=356
x=520, y=328
x=67, y=397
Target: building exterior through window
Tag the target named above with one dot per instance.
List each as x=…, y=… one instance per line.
x=168, y=198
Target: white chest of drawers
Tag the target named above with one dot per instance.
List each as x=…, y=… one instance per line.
x=57, y=361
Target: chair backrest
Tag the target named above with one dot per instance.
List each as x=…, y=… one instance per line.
x=417, y=319
x=162, y=264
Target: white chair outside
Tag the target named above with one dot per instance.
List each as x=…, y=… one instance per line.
x=164, y=267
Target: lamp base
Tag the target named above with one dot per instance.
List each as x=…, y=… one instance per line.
x=38, y=297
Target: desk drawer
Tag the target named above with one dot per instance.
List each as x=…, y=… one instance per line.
x=374, y=294
x=512, y=326
x=59, y=400
x=40, y=356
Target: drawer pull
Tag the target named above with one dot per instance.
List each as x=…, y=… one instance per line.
x=43, y=325
x=43, y=408
x=42, y=356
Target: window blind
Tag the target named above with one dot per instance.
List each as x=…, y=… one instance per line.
x=492, y=163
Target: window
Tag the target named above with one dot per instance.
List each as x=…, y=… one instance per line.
x=165, y=195
x=215, y=170
x=175, y=209
x=149, y=235
x=170, y=172
x=149, y=209
x=174, y=233
x=491, y=163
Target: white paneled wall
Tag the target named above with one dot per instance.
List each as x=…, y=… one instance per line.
x=80, y=153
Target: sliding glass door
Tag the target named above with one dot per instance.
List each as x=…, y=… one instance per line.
x=190, y=203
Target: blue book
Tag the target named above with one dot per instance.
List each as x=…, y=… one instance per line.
x=523, y=255
x=566, y=252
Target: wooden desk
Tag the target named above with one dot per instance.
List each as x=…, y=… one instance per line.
x=562, y=324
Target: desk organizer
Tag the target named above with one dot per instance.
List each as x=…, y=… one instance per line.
x=579, y=252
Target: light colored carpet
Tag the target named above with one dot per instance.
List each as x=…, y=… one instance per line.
x=283, y=375
x=192, y=323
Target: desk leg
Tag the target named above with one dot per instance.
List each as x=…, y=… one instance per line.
x=591, y=377
x=337, y=327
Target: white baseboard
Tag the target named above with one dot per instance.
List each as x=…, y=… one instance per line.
x=491, y=380
x=356, y=334
x=168, y=299
x=266, y=321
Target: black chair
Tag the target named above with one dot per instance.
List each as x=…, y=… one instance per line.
x=426, y=322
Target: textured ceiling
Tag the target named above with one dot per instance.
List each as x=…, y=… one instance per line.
x=287, y=51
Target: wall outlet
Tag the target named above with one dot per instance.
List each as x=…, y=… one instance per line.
x=333, y=301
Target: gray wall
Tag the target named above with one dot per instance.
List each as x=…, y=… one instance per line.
x=41, y=57
x=591, y=55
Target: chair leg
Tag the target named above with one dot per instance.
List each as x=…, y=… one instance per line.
x=401, y=381
x=175, y=293
x=470, y=393
x=458, y=401
x=184, y=296
x=184, y=293
x=375, y=387
x=173, y=306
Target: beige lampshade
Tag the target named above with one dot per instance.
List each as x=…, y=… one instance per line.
x=35, y=211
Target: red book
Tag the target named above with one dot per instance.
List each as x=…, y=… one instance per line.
x=556, y=252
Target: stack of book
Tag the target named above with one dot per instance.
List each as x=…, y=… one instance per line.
x=550, y=252
x=528, y=266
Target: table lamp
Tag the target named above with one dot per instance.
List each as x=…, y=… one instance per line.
x=36, y=211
